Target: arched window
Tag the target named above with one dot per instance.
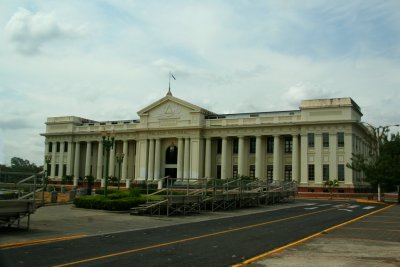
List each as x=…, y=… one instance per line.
x=171, y=155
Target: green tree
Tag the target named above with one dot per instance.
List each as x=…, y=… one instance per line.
x=331, y=185
x=23, y=165
x=383, y=166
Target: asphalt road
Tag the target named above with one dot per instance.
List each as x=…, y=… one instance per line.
x=220, y=242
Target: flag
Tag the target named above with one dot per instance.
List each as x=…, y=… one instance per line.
x=173, y=76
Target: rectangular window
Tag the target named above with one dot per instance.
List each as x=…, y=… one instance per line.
x=65, y=169
x=340, y=139
x=252, y=145
x=325, y=139
x=65, y=146
x=48, y=169
x=288, y=144
x=270, y=145
x=58, y=147
x=235, y=145
x=50, y=147
x=270, y=173
x=235, y=171
x=288, y=172
x=325, y=172
x=252, y=171
x=219, y=146
x=57, y=169
x=340, y=172
x=311, y=140
x=311, y=172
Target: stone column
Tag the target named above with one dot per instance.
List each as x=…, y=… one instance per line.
x=157, y=160
x=186, y=163
x=125, y=161
x=77, y=162
x=224, y=156
x=150, y=175
x=179, y=171
x=141, y=159
x=348, y=145
x=295, y=158
x=208, y=158
x=61, y=161
x=46, y=151
x=318, y=158
x=277, y=159
x=100, y=161
x=260, y=158
x=333, y=156
x=111, y=167
x=304, y=159
x=241, y=161
x=196, y=158
x=53, y=160
x=69, y=158
x=88, y=160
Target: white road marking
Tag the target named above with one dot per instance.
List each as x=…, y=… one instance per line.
x=353, y=206
x=368, y=207
x=312, y=208
x=346, y=210
x=310, y=204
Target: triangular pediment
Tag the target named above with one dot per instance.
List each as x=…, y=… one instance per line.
x=170, y=106
x=171, y=112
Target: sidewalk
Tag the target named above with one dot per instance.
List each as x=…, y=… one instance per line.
x=371, y=241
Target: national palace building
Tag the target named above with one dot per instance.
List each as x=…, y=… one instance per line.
x=179, y=139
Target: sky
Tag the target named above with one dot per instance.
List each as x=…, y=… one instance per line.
x=107, y=59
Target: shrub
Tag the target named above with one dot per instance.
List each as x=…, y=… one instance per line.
x=109, y=191
x=100, y=202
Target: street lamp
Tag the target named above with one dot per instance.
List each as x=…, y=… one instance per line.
x=108, y=143
x=47, y=159
x=120, y=159
x=379, y=134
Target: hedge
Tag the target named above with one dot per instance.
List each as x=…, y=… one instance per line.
x=102, y=203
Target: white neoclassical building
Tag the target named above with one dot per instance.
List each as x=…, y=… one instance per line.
x=176, y=138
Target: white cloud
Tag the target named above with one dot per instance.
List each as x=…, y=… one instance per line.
x=303, y=91
x=30, y=31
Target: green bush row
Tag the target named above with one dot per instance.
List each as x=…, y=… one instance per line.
x=102, y=203
x=9, y=195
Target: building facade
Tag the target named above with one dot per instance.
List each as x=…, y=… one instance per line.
x=179, y=139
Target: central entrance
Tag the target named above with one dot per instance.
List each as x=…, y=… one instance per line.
x=171, y=160
x=171, y=172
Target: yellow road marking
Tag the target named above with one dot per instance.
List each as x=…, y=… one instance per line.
x=188, y=239
x=380, y=222
x=371, y=229
x=259, y=257
x=370, y=201
x=40, y=241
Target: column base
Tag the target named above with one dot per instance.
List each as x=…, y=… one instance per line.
x=160, y=184
x=127, y=183
x=102, y=183
x=75, y=181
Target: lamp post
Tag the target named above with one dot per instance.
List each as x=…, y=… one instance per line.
x=120, y=159
x=47, y=159
x=108, y=143
x=379, y=134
